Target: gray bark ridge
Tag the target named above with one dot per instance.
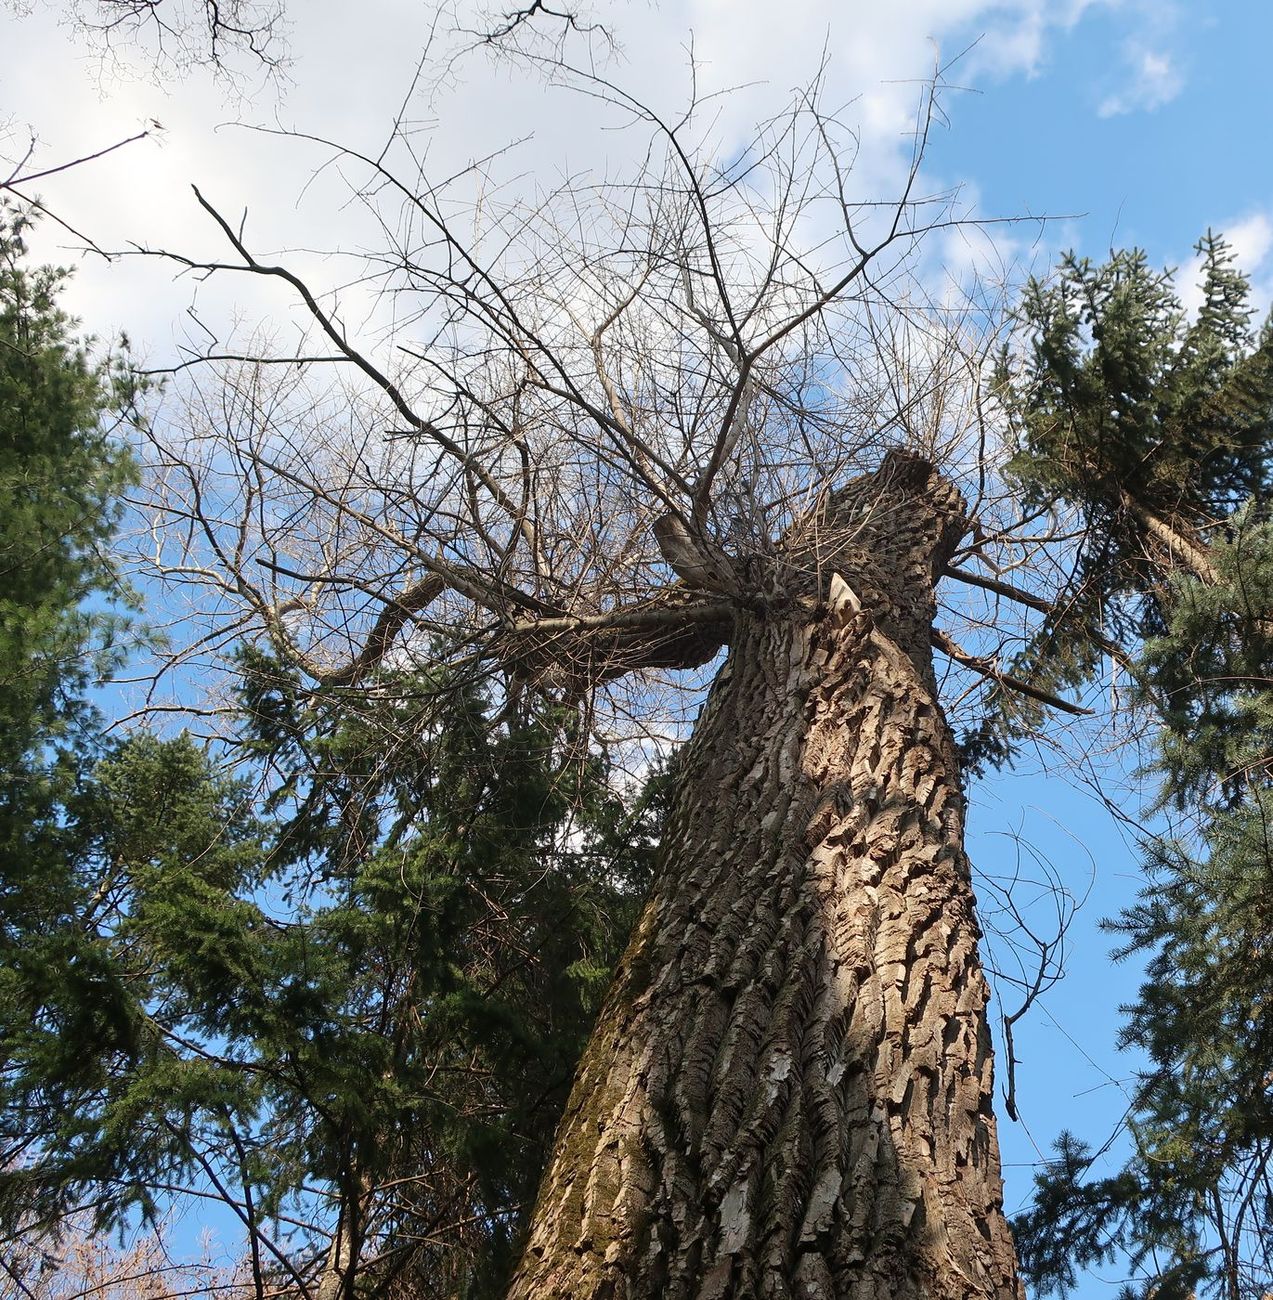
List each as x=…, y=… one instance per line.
x=788, y=1091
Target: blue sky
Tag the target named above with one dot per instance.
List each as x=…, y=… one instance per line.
x=1141, y=159
x=1152, y=163
x=1129, y=122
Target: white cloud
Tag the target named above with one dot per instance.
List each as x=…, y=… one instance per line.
x=1015, y=35
x=1154, y=81
x=349, y=80
x=1251, y=239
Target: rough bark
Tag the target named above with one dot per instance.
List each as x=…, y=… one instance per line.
x=788, y=1091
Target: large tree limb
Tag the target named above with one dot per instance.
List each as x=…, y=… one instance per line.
x=989, y=667
x=577, y=651
x=1180, y=547
x=379, y=641
x=999, y=588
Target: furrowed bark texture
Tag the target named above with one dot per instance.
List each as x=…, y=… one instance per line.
x=788, y=1091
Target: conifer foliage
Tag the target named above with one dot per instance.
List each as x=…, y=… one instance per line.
x=1159, y=429
x=463, y=886
x=60, y=474
x=333, y=973
x=1153, y=425
x=83, y=820
x=349, y=1009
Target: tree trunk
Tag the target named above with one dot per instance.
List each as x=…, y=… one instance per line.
x=788, y=1090
x=1180, y=550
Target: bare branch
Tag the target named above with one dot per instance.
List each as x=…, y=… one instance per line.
x=989, y=668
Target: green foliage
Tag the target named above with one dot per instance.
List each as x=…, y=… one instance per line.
x=60, y=472
x=60, y=475
x=1078, y=1222
x=1150, y=425
x=1203, y=1112
x=343, y=991
x=1208, y=674
x=93, y=984
x=465, y=889
x=360, y=1015
x=69, y=1018
x=1121, y=400
x=1137, y=417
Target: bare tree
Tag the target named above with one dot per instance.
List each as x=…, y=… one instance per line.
x=82, y=1264
x=608, y=436
x=245, y=44
x=235, y=39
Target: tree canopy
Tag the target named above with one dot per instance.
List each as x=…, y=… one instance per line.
x=335, y=976
x=335, y=968
x=1156, y=426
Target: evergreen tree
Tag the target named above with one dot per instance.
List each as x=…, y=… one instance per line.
x=61, y=471
x=1155, y=428
x=95, y=1094
x=463, y=888
x=349, y=1008
x=1158, y=429
x=353, y=1021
